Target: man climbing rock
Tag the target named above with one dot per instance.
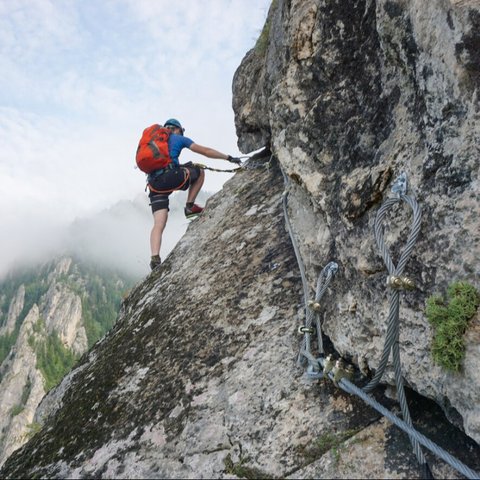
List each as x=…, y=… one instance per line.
x=158, y=155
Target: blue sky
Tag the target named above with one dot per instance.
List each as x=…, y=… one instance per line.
x=80, y=81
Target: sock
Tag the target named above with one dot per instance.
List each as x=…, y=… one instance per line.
x=189, y=204
x=156, y=258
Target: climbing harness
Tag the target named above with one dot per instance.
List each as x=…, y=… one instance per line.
x=248, y=164
x=186, y=177
x=342, y=375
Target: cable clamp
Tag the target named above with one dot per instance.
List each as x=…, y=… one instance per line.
x=303, y=329
x=400, y=283
x=314, y=306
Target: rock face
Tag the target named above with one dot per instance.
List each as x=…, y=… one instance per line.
x=348, y=95
x=22, y=388
x=53, y=307
x=14, y=310
x=63, y=315
x=198, y=377
x=22, y=385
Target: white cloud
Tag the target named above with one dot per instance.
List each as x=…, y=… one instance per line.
x=82, y=79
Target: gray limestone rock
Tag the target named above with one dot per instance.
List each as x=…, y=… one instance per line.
x=14, y=310
x=21, y=391
x=348, y=96
x=198, y=378
x=22, y=384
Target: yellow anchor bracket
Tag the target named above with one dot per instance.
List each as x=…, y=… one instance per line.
x=350, y=370
x=342, y=370
x=400, y=283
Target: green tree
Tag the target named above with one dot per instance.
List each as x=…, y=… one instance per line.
x=54, y=360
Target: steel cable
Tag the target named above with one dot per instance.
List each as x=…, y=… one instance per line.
x=393, y=330
x=392, y=334
x=323, y=281
x=351, y=388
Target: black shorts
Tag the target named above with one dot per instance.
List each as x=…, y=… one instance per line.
x=171, y=180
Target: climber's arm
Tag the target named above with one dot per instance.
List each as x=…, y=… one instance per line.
x=208, y=152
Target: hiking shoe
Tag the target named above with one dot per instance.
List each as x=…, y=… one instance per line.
x=193, y=211
x=155, y=262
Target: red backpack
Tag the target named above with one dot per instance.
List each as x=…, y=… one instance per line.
x=152, y=151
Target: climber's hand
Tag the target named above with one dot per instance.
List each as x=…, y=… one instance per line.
x=234, y=160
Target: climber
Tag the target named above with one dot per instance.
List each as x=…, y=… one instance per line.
x=174, y=176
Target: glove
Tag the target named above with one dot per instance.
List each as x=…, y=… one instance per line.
x=234, y=160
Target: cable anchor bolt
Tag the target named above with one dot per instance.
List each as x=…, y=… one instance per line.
x=400, y=283
x=332, y=267
x=400, y=185
x=314, y=306
x=303, y=329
